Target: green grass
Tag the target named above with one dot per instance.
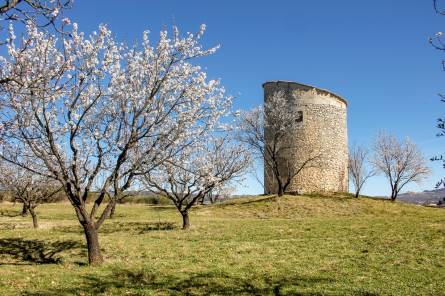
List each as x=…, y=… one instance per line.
x=301, y=245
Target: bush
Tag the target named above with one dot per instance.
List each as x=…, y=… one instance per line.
x=147, y=199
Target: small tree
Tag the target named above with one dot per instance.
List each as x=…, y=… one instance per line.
x=264, y=130
x=400, y=162
x=358, y=172
x=28, y=188
x=219, y=194
x=196, y=171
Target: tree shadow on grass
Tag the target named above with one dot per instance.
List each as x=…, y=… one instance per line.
x=23, y=251
x=162, y=208
x=125, y=281
x=138, y=227
x=10, y=213
x=129, y=227
x=7, y=226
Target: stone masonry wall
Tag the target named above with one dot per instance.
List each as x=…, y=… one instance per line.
x=323, y=132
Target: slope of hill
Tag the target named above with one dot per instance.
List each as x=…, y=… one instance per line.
x=292, y=245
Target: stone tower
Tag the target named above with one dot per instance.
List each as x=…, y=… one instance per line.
x=322, y=130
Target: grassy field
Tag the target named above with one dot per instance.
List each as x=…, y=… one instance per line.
x=301, y=245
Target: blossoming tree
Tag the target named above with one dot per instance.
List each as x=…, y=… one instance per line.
x=28, y=188
x=209, y=164
x=94, y=114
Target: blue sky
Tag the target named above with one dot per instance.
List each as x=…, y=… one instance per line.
x=373, y=53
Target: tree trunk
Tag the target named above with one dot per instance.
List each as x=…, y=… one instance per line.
x=35, y=221
x=94, y=254
x=280, y=186
x=280, y=190
x=185, y=220
x=113, y=210
x=393, y=195
x=25, y=210
x=357, y=194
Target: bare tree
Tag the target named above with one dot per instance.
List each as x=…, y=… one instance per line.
x=90, y=112
x=400, y=162
x=264, y=130
x=196, y=171
x=28, y=188
x=358, y=156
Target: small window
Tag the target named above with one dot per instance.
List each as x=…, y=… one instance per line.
x=299, y=116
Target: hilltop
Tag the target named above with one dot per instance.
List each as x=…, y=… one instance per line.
x=306, y=206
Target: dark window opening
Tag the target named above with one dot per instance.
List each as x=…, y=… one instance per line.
x=299, y=116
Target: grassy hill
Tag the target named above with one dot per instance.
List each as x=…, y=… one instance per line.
x=304, y=245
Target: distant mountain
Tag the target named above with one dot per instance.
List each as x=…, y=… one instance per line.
x=425, y=197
